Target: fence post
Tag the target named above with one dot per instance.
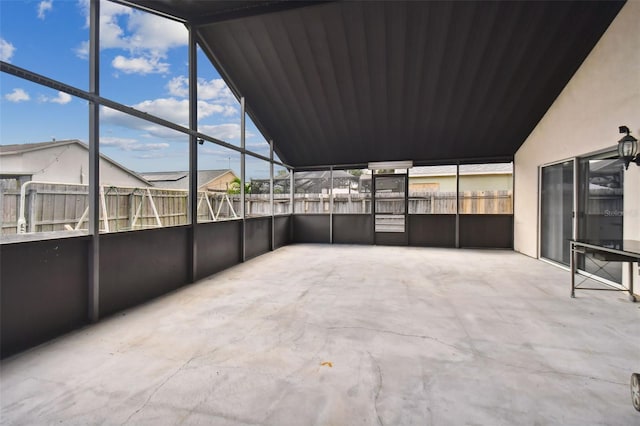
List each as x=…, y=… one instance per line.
x=32, y=210
x=132, y=208
x=2, y=189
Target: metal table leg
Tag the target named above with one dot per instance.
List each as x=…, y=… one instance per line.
x=632, y=297
x=572, y=267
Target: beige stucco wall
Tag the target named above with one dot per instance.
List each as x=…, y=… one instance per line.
x=220, y=184
x=497, y=182
x=602, y=95
x=66, y=164
x=478, y=182
x=444, y=183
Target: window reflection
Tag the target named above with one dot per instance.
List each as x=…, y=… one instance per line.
x=602, y=211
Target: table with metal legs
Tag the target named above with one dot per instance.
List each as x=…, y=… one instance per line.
x=620, y=251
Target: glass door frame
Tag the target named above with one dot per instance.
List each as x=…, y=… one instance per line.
x=574, y=216
x=576, y=213
x=581, y=215
x=390, y=238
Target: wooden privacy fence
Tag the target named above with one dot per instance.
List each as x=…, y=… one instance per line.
x=486, y=202
x=471, y=202
x=47, y=206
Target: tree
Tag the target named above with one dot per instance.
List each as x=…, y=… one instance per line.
x=234, y=187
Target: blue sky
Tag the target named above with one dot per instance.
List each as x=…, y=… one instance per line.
x=143, y=64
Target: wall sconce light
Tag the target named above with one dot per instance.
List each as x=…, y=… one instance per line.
x=628, y=148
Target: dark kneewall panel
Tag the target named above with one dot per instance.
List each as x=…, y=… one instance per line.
x=44, y=291
x=218, y=246
x=432, y=230
x=390, y=238
x=486, y=231
x=257, y=236
x=311, y=228
x=137, y=266
x=281, y=231
x=352, y=229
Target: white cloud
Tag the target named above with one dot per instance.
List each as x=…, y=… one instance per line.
x=152, y=32
x=153, y=146
x=178, y=86
x=176, y=111
x=18, y=95
x=6, y=50
x=123, y=143
x=112, y=117
x=206, y=109
x=261, y=145
x=127, y=144
x=229, y=111
x=111, y=34
x=146, y=37
x=140, y=65
x=62, y=98
x=215, y=89
x=155, y=155
x=82, y=51
x=225, y=132
x=43, y=7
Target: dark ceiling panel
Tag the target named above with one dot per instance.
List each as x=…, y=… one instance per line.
x=352, y=82
x=199, y=12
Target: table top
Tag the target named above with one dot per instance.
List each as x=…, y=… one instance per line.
x=627, y=247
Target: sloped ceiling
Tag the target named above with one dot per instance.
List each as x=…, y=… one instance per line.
x=343, y=83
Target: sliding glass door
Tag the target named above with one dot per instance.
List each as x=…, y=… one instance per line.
x=600, y=190
x=600, y=210
x=556, y=214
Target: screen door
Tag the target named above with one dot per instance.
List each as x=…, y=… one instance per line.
x=390, y=209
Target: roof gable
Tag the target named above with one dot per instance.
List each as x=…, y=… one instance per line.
x=16, y=149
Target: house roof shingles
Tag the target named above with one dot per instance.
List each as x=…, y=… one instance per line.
x=180, y=179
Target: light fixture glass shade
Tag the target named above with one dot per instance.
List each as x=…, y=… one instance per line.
x=627, y=149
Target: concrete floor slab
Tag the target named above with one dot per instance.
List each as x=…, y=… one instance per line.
x=337, y=335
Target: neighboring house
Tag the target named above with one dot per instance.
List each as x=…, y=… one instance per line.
x=208, y=180
x=317, y=182
x=60, y=162
x=488, y=177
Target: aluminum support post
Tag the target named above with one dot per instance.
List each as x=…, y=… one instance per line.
x=242, y=176
x=193, y=155
x=271, y=198
x=94, y=162
x=458, y=205
x=331, y=205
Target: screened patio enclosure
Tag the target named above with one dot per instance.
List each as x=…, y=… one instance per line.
x=454, y=87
